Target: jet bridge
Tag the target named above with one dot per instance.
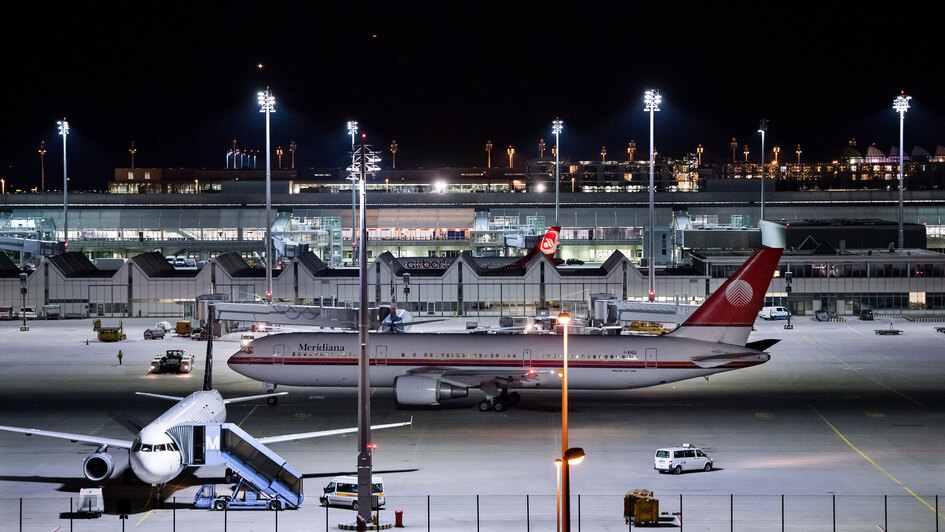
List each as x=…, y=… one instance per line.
x=227, y=445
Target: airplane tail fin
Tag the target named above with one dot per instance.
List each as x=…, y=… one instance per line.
x=548, y=245
x=549, y=242
x=728, y=314
x=208, y=369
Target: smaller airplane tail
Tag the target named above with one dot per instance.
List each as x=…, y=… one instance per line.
x=547, y=246
x=728, y=315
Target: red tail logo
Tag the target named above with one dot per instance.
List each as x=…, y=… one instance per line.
x=738, y=300
x=549, y=242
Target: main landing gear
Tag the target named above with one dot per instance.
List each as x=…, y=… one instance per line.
x=271, y=388
x=500, y=403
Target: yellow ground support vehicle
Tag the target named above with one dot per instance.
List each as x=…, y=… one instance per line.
x=111, y=334
x=649, y=328
x=182, y=328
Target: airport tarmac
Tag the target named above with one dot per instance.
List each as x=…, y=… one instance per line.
x=847, y=425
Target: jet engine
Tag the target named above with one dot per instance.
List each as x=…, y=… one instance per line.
x=420, y=390
x=98, y=466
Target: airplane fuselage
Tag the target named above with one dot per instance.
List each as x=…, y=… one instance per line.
x=594, y=362
x=154, y=456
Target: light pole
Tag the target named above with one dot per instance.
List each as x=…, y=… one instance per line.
x=652, y=99
x=132, y=151
x=292, y=148
x=353, y=130
x=541, y=148
x=511, y=152
x=365, y=462
x=746, y=153
x=267, y=105
x=42, y=166
x=762, y=127
x=603, y=154
x=798, y=152
x=279, y=155
x=488, y=154
x=901, y=105
x=64, y=131
x=564, y=319
x=556, y=127
x=632, y=147
x=393, y=153
x=699, y=153
x=734, y=145
x=368, y=163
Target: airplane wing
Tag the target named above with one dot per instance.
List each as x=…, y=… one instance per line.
x=94, y=440
x=475, y=378
x=251, y=397
x=331, y=432
x=716, y=360
x=159, y=396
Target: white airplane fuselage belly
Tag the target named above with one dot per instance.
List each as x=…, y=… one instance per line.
x=594, y=362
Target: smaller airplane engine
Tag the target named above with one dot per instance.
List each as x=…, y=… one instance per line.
x=420, y=390
x=98, y=466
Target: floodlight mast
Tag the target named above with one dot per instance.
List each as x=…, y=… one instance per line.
x=353, y=130
x=64, y=131
x=901, y=105
x=367, y=164
x=652, y=99
x=267, y=105
x=556, y=127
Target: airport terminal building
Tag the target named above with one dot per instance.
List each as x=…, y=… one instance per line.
x=438, y=237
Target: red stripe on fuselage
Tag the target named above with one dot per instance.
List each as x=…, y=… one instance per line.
x=511, y=364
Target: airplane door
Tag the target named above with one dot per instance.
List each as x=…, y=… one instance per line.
x=527, y=358
x=380, y=355
x=650, y=360
x=278, y=354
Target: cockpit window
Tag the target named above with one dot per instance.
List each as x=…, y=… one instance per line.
x=136, y=446
x=172, y=447
x=146, y=447
x=159, y=447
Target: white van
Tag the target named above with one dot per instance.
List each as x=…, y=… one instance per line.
x=773, y=313
x=343, y=491
x=29, y=312
x=682, y=458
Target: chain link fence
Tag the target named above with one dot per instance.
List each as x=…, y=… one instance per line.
x=726, y=512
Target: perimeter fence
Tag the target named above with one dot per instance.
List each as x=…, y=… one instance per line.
x=752, y=513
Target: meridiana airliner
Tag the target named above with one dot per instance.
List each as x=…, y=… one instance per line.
x=428, y=368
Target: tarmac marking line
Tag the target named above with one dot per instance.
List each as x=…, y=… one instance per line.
x=870, y=460
x=240, y=424
x=854, y=330
x=890, y=388
x=145, y=516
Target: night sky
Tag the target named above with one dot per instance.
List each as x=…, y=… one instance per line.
x=181, y=81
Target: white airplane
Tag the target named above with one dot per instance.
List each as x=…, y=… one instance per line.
x=427, y=368
x=154, y=457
